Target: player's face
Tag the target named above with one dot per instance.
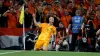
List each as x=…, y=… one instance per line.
x=51, y=20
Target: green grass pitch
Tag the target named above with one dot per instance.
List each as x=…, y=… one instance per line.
x=46, y=53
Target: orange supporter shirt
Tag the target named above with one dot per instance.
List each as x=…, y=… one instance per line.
x=7, y=3
x=97, y=22
x=57, y=11
x=18, y=15
x=66, y=20
x=86, y=6
x=97, y=1
x=54, y=8
x=11, y=20
x=46, y=31
x=31, y=9
x=46, y=11
x=77, y=3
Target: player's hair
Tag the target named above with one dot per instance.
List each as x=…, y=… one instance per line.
x=48, y=18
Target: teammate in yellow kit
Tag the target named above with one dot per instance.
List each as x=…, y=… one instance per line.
x=47, y=29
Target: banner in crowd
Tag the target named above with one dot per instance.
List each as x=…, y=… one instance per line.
x=10, y=36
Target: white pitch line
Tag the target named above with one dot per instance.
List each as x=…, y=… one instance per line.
x=9, y=52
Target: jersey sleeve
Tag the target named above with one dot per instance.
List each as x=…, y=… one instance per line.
x=40, y=24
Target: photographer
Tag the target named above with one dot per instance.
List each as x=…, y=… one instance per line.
x=61, y=38
x=90, y=29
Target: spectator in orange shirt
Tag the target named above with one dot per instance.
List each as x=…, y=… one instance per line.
x=66, y=18
x=6, y=5
x=12, y=21
x=97, y=2
x=57, y=8
x=70, y=6
x=31, y=6
x=46, y=10
x=97, y=19
x=77, y=3
x=86, y=4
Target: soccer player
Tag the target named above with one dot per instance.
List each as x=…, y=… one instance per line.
x=47, y=29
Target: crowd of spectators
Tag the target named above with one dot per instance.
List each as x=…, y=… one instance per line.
x=63, y=11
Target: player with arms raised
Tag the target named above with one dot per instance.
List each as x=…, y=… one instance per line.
x=47, y=29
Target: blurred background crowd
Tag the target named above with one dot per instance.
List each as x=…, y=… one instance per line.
x=63, y=11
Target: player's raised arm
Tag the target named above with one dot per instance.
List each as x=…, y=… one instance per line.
x=34, y=20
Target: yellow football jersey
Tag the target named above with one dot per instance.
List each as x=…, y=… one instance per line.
x=46, y=31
